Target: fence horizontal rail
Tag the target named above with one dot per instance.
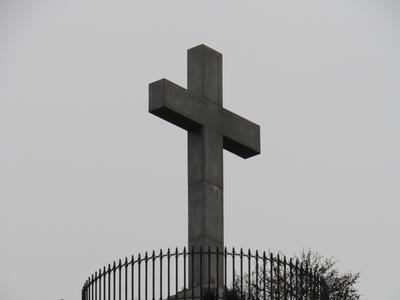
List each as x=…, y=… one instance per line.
x=205, y=274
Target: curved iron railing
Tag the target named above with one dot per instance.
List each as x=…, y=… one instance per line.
x=207, y=275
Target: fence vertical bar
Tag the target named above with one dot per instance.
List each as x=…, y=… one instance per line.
x=100, y=284
x=114, y=278
x=109, y=282
x=305, y=281
x=132, y=277
x=278, y=277
x=153, y=275
x=161, y=273
x=256, y=296
x=104, y=282
x=241, y=273
x=271, y=275
x=316, y=285
x=301, y=281
x=285, y=293
x=92, y=287
x=233, y=270
x=146, y=262
x=249, y=275
x=83, y=295
x=83, y=292
x=312, y=282
x=176, y=271
x=168, y=273
x=321, y=291
x=184, y=273
x=225, y=272
x=139, y=260
x=308, y=281
x=119, y=282
x=264, y=275
x=296, y=270
x=314, y=279
x=291, y=278
x=126, y=278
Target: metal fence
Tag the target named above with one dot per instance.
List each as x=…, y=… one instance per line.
x=205, y=274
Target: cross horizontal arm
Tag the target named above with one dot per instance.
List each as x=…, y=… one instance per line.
x=241, y=136
x=178, y=106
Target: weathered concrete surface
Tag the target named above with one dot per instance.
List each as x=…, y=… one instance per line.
x=211, y=128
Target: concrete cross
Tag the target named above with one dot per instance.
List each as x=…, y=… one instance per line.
x=211, y=128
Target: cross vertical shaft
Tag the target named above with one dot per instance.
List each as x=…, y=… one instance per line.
x=205, y=161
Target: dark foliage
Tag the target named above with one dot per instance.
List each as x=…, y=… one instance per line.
x=342, y=286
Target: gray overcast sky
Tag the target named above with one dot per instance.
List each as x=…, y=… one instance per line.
x=85, y=170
